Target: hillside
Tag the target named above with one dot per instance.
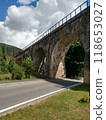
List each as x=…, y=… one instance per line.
x=9, y=50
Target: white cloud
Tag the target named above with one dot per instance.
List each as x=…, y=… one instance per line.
x=56, y=16
x=23, y=24
x=51, y=2
x=25, y=2
x=16, y=38
x=21, y=18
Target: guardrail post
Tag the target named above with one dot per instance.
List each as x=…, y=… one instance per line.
x=66, y=18
x=62, y=21
x=75, y=12
x=70, y=15
x=58, y=24
x=80, y=8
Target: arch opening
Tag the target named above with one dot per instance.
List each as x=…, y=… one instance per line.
x=57, y=69
x=40, y=61
x=57, y=65
x=74, y=60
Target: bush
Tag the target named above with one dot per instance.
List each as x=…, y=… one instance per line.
x=17, y=72
x=5, y=76
x=28, y=67
x=85, y=99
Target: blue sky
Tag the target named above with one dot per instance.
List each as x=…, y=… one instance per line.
x=22, y=21
x=4, y=4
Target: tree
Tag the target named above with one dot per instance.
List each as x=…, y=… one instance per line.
x=11, y=65
x=28, y=67
x=17, y=73
x=3, y=66
x=4, y=51
x=75, y=59
x=1, y=54
x=0, y=65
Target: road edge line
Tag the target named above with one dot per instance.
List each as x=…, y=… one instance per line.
x=37, y=98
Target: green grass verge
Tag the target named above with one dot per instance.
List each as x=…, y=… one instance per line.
x=7, y=77
x=64, y=106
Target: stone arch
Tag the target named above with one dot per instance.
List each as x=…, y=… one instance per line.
x=57, y=67
x=39, y=59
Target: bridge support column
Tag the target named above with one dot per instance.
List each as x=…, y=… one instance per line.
x=61, y=72
x=87, y=67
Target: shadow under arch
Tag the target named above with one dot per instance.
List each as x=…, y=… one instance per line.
x=57, y=68
x=58, y=55
x=39, y=61
x=74, y=60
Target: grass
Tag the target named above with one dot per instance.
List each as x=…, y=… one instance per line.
x=7, y=77
x=64, y=106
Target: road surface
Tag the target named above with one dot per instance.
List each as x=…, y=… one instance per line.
x=18, y=93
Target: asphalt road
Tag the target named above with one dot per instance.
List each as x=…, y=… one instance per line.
x=13, y=93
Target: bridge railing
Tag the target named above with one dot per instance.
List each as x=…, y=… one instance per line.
x=61, y=22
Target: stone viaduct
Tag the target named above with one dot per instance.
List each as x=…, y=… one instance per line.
x=48, y=53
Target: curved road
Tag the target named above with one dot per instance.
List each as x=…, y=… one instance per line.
x=17, y=93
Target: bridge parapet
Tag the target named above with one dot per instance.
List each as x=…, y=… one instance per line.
x=61, y=22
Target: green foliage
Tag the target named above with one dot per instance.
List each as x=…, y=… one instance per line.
x=75, y=60
x=8, y=50
x=5, y=77
x=11, y=65
x=3, y=66
x=17, y=73
x=6, y=66
x=1, y=53
x=40, y=76
x=85, y=98
x=4, y=53
x=28, y=67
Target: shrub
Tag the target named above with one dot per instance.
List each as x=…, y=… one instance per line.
x=5, y=76
x=8, y=78
x=85, y=99
x=17, y=72
x=28, y=67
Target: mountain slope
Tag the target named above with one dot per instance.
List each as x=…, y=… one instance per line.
x=9, y=50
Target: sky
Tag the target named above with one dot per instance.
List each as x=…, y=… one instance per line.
x=22, y=21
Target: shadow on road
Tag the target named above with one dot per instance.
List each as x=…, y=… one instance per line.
x=63, y=82
x=66, y=83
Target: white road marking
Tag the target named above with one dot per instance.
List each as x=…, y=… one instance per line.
x=37, y=98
